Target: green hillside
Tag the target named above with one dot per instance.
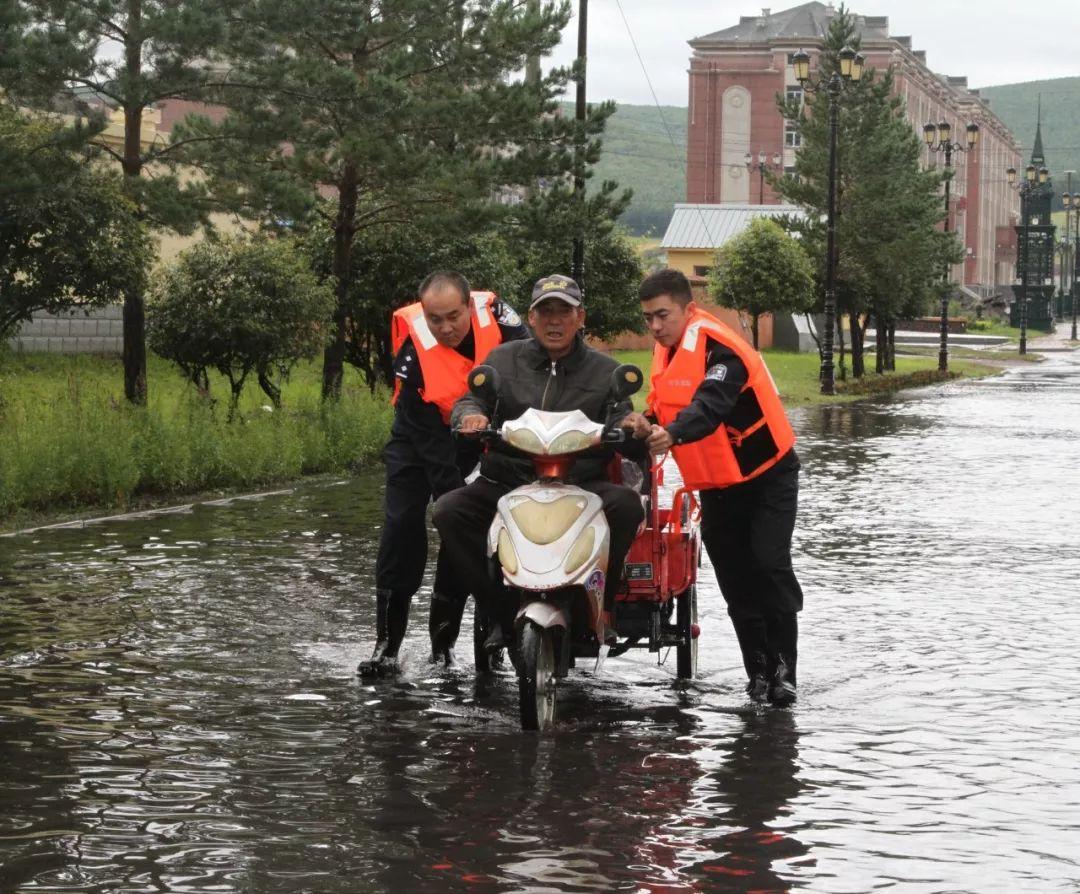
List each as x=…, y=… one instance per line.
x=1017, y=104
x=638, y=153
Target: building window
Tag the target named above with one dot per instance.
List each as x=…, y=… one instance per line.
x=701, y=271
x=794, y=94
x=792, y=138
x=789, y=170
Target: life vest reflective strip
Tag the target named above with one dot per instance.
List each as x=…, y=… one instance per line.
x=444, y=369
x=757, y=432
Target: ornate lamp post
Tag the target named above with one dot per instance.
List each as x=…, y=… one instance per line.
x=1033, y=179
x=850, y=71
x=1072, y=207
x=939, y=139
x=762, y=165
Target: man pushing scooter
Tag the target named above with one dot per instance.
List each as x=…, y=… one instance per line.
x=714, y=406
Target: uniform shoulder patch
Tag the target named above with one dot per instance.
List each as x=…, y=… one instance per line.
x=717, y=371
x=506, y=315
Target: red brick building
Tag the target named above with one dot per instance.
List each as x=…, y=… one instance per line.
x=735, y=75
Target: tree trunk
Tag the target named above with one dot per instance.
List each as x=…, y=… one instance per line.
x=236, y=388
x=134, y=309
x=842, y=367
x=858, y=329
x=344, y=232
x=879, y=346
x=754, y=318
x=890, y=354
x=270, y=389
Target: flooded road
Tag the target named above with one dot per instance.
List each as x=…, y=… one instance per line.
x=179, y=712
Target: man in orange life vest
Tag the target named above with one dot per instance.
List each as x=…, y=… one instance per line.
x=436, y=340
x=717, y=410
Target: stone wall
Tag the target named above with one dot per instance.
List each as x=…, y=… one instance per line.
x=99, y=331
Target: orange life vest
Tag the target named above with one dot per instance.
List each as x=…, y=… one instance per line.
x=756, y=433
x=444, y=369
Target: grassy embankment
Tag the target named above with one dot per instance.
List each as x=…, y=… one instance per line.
x=796, y=376
x=69, y=442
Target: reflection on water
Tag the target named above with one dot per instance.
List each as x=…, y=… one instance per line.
x=178, y=710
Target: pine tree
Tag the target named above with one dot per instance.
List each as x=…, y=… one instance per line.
x=890, y=251
x=129, y=55
x=366, y=114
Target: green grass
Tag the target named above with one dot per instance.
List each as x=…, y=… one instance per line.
x=69, y=442
x=796, y=376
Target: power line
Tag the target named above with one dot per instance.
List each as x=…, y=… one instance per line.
x=659, y=109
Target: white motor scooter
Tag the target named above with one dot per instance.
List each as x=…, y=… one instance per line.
x=550, y=541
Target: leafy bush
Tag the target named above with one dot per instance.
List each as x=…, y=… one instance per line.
x=239, y=306
x=69, y=238
x=762, y=270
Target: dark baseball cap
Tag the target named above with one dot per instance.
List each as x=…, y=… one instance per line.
x=556, y=286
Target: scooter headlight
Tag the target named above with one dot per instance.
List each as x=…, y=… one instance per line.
x=507, y=556
x=571, y=441
x=525, y=440
x=544, y=523
x=581, y=550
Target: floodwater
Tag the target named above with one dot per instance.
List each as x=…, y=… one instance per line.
x=178, y=710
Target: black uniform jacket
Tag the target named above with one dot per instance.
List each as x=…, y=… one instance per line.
x=529, y=378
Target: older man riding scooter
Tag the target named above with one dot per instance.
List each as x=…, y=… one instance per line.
x=713, y=404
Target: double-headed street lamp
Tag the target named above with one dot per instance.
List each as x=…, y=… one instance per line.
x=1072, y=207
x=1033, y=179
x=850, y=71
x=762, y=165
x=939, y=139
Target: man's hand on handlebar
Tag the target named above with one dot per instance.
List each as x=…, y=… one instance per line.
x=638, y=425
x=659, y=440
x=473, y=424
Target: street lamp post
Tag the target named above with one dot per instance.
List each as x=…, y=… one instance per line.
x=1033, y=179
x=762, y=165
x=939, y=139
x=850, y=71
x=1072, y=206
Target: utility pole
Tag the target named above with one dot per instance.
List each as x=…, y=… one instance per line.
x=577, y=270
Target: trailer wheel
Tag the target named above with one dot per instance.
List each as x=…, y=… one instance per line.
x=686, y=653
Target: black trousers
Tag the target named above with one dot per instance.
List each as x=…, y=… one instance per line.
x=403, y=545
x=746, y=530
x=464, y=516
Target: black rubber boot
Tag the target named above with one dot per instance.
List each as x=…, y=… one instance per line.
x=391, y=620
x=444, y=625
x=754, y=645
x=784, y=649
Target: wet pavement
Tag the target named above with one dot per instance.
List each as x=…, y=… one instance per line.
x=178, y=710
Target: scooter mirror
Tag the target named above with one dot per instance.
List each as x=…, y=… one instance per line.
x=626, y=380
x=484, y=382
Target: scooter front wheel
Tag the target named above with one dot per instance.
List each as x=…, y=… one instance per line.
x=536, y=677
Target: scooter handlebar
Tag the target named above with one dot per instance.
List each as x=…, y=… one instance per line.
x=477, y=434
x=614, y=436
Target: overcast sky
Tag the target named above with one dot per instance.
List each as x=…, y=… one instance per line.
x=990, y=41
